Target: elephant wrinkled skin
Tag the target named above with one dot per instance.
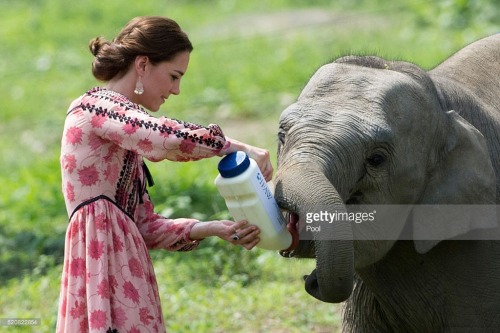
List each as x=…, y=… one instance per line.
x=368, y=131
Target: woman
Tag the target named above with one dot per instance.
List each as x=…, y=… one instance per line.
x=108, y=282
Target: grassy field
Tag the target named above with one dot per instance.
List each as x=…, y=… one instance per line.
x=250, y=61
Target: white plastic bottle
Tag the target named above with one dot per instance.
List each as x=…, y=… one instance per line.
x=248, y=197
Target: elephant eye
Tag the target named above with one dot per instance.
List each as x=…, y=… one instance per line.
x=281, y=137
x=376, y=159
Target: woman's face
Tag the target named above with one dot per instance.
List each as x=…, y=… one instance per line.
x=162, y=80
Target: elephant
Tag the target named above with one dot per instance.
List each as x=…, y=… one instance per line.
x=368, y=131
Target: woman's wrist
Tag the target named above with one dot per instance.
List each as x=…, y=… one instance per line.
x=233, y=145
x=200, y=230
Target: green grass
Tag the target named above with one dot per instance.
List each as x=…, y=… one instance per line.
x=195, y=301
x=250, y=61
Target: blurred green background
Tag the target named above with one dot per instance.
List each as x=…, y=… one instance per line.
x=250, y=60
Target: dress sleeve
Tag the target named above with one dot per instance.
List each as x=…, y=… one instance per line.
x=163, y=233
x=154, y=138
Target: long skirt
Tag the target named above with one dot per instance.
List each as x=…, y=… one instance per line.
x=108, y=282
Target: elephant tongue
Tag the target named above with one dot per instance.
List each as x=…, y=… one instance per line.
x=292, y=225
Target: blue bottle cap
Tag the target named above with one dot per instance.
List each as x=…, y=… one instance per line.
x=233, y=164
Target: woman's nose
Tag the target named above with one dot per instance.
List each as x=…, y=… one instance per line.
x=176, y=89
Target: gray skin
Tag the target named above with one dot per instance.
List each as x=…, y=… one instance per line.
x=365, y=130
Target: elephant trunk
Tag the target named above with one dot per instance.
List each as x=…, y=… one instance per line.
x=303, y=191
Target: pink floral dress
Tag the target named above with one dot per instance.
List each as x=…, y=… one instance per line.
x=108, y=283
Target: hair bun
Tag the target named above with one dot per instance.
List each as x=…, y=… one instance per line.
x=96, y=44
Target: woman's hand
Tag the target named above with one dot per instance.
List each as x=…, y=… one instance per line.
x=237, y=233
x=261, y=156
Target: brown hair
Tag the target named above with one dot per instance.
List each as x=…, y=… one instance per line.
x=158, y=38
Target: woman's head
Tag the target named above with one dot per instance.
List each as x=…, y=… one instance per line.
x=158, y=38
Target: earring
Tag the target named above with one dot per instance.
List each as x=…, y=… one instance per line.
x=139, y=88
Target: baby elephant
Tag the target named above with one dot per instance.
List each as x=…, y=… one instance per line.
x=421, y=150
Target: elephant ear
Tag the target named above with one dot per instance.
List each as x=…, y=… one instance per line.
x=464, y=176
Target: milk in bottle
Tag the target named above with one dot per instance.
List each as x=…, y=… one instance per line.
x=248, y=197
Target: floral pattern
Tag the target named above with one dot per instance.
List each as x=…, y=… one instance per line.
x=108, y=282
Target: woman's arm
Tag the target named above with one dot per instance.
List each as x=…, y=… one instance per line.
x=185, y=234
x=226, y=230
x=154, y=138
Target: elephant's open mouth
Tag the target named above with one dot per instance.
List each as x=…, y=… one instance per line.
x=292, y=226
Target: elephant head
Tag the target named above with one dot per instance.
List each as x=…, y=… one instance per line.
x=369, y=131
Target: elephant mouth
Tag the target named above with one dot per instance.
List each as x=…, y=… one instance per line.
x=292, y=225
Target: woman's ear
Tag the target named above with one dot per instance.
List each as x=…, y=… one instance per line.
x=140, y=64
x=464, y=175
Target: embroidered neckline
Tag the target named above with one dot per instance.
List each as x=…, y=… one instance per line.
x=116, y=96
